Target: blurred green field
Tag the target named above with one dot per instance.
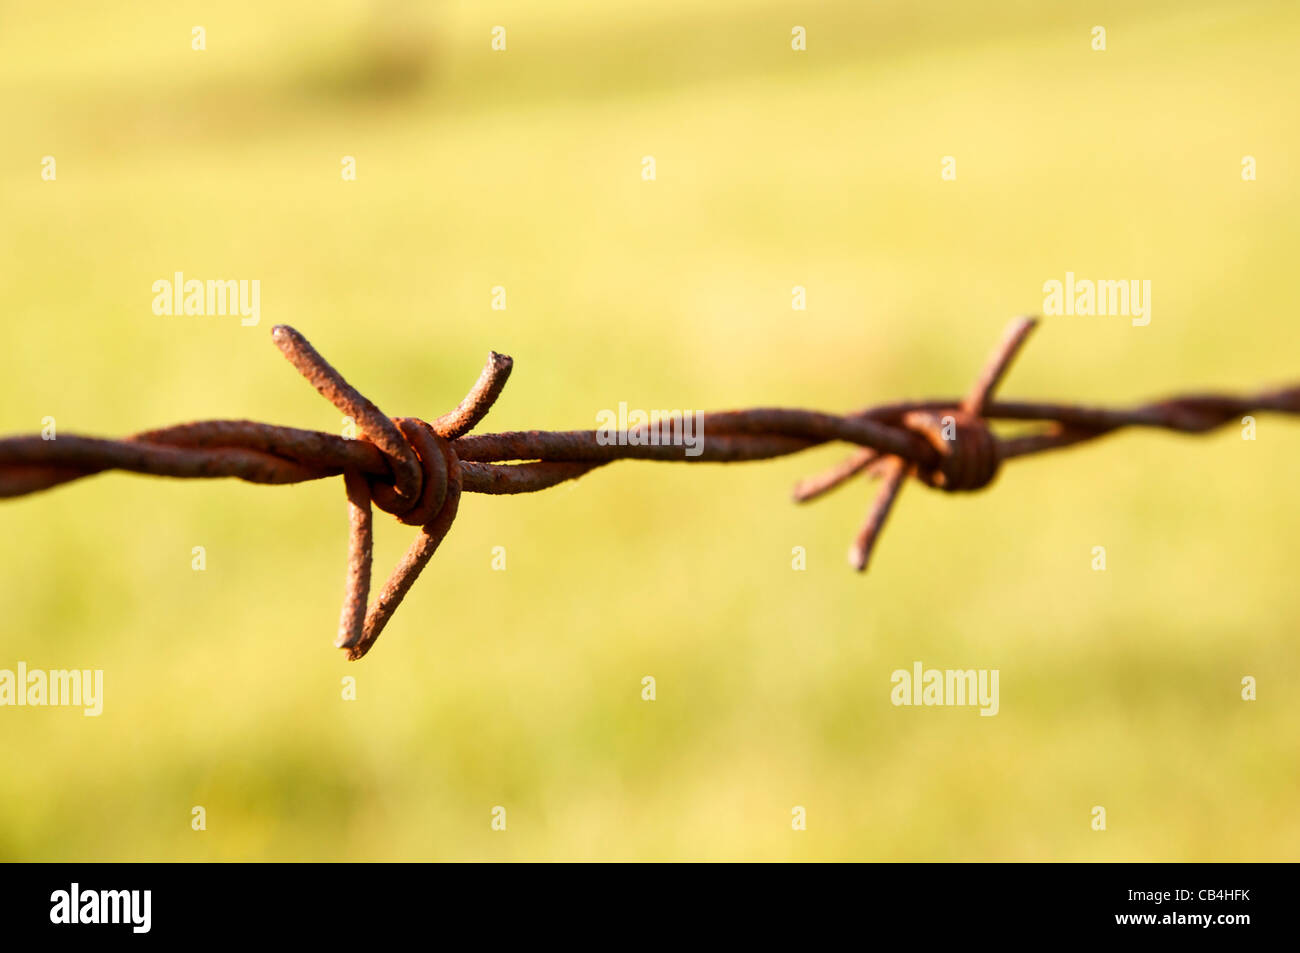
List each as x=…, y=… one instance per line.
x=522, y=169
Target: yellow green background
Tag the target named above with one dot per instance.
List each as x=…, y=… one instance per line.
x=775, y=168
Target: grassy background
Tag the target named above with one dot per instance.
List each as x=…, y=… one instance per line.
x=522, y=688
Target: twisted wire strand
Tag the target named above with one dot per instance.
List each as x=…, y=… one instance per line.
x=417, y=471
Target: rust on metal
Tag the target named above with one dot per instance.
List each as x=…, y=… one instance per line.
x=417, y=471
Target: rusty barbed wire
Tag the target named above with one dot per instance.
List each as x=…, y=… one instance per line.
x=417, y=471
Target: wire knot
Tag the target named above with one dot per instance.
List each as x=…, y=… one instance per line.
x=422, y=487
x=965, y=453
x=968, y=452
x=424, y=500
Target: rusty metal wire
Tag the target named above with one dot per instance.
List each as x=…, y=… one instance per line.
x=417, y=470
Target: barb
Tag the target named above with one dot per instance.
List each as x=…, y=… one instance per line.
x=965, y=444
x=418, y=471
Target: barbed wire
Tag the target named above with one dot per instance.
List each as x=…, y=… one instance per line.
x=417, y=471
